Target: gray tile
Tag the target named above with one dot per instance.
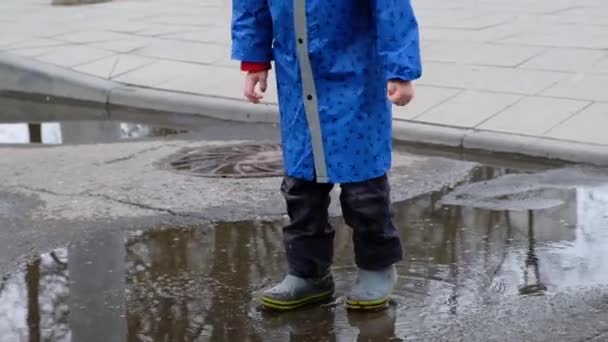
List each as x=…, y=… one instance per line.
x=580, y=36
x=601, y=65
x=425, y=99
x=574, y=60
x=33, y=52
x=582, y=15
x=183, y=51
x=153, y=30
x=10, y=39
x=124, y=46
x=432, y=34
x=468, y=109
x=216, y=81
x=71, y=56
x=480, y=53
x=587, y=126
x=211, y=18
x=509, y=80
x=462, y=19
x=36, y=43
x=93, y=36
x=124, y=26
x=592, y=87
x=208, y=35
x=524, y=6
x=114, y=65
x=158, y=73
x=533, y=115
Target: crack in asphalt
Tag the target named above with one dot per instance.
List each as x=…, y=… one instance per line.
x=135, y=204
x=45, y=191
x=133, y=155
x=106, y=197
x=600, y=334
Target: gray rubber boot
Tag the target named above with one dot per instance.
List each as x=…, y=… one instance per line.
x=294, y=292
x=372, y=289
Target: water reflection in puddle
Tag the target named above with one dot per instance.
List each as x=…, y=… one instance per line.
x=79, y=132
x=200, y=285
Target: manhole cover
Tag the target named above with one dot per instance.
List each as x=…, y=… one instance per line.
x=242, y=161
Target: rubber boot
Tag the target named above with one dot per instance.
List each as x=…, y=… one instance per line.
x=372, y=290
x=294, y=292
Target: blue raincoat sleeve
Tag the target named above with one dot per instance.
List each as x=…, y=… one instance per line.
x=398, y=39
x=251, y=31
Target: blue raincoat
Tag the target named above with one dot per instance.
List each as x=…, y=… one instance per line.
x=332, y=60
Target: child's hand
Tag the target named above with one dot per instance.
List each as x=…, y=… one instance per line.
x=252, y=80
x=400, y=93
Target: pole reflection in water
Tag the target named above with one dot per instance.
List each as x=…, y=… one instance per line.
x=35, y=132
x=534, y=286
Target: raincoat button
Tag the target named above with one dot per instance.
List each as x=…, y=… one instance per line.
x=309, y=97
x=300, y=40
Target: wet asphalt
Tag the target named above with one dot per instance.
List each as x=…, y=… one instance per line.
x=507, y=255
x=202, y=283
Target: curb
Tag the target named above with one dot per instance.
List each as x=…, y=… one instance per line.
x=570, y=151
x=125, y=97
x=26, y=76
x=467, y=139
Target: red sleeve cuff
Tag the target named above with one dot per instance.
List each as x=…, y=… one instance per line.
x=255, y=66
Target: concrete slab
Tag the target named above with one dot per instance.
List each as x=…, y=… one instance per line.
x=183, y=52
x=582, y=36
x=480, y=53
x=155, y=30
x=37, y=43
x=157, y=73
x=583, y=15
x=588, y=126
x=114, y=66
x=533, y=115
x=215, y=81
x=33, y=52
x=425, y=99
x=509, y=80
x=211, y=17
x=463, y=19
x=73, y=55
x=468, y=109
x=121, y=26
x=212, y=34
x=10, y=39
x=84, y=37
x=602, y=65
x=123, y=46
x=589, y=86
x=573, y=60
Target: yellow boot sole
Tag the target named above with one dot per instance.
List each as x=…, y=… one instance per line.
x=376, y=305
x=281, y=305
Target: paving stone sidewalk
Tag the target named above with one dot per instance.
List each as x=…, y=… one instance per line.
x=528, y=68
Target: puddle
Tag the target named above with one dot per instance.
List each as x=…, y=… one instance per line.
x=201, y=284
x=39, y=120
x=80, y=132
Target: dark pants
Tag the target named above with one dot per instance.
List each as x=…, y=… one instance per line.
x=309, y=238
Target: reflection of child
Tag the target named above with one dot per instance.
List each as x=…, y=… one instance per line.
x=336, y=62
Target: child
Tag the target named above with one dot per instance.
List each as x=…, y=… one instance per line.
x=336, y=62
